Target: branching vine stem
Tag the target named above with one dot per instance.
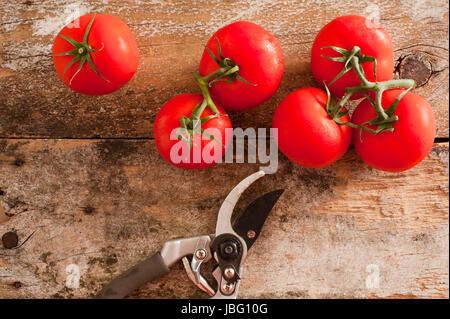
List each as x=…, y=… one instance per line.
x=228, y=72
x=353, y=60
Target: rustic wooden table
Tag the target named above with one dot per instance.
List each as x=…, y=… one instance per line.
x=82, y=177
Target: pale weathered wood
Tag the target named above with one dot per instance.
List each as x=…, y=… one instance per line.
x=171, y=35
x=106, y=204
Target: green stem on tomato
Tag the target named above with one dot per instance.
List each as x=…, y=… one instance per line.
x=228, y=72
x=203, y=83
x=81, y=52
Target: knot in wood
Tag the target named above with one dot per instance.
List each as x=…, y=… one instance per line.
x=416, y=66
x=10, y=240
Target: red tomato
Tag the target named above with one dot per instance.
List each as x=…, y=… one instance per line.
x=346, y=32
x=306, y=134
x=408, y=144
x=168, y=119
x=117, y=60
x=259, y=57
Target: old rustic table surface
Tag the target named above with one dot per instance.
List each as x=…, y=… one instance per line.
x=81, y=181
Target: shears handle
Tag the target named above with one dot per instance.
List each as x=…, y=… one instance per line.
x=154, y=267
x=147, y=270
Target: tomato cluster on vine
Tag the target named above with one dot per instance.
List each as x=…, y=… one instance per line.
x=392, y=129
x=242, y=66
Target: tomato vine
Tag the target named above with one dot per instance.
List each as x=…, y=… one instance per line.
x=229, y=72
x=353, y=60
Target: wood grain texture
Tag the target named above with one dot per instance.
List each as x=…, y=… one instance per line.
x=171, y=35
x=106, y=204
x=82, y=183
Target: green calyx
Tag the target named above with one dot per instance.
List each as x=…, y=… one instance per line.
x=353, y=60
x=81, y=52
x=227, y=72
x=230, y=71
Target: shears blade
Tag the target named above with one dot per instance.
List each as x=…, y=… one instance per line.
x=248, y=225
x=223, y=225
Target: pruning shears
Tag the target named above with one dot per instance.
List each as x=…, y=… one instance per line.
x=228, y=246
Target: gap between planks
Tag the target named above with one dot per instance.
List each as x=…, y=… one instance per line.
x=437, y=140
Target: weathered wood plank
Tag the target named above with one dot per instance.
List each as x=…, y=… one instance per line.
x=171, y=34
x=103, y=205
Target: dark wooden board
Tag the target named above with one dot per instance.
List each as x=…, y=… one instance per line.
x=171, y=35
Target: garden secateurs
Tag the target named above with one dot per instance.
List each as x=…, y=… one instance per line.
x=228, y=246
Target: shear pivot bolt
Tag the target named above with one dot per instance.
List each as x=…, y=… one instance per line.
x=229, y=250
x=229, y=272
x=251, y=234
x=200, y=254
